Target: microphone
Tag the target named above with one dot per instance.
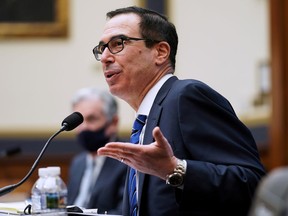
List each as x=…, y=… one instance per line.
x=271, y=196
x=72, y=121
x=10, y=151
x=69, y=123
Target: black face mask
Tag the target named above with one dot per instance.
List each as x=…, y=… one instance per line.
x=92, y=140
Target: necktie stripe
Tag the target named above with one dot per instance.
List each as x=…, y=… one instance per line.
x=134, y=211
x=136, y=131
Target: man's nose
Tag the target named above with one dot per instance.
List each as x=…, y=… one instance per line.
x=106, y=55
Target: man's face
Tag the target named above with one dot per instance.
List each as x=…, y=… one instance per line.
x=128, y=72
x=92, y=111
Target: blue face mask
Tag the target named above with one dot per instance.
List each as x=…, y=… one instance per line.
x=92, y=140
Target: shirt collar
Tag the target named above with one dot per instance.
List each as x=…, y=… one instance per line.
x=148, y=100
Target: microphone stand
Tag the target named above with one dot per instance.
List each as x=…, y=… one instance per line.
x=9, y=188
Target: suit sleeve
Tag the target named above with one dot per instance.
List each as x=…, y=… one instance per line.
x=223, y=165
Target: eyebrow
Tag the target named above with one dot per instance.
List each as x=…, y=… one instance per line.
x=116, y=36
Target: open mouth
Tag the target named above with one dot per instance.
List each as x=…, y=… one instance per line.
x=110, y=74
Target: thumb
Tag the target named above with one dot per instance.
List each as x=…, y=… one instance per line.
x=159, y=137
x=162, y=143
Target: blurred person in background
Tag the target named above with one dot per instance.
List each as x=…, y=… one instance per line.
x=96, y=181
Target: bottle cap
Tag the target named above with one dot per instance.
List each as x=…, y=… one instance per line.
x=42, y=171
x=54, y=170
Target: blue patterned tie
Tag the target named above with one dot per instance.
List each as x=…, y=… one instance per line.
x=136, y=131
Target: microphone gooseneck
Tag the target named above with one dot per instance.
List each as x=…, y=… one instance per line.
x=69, y=123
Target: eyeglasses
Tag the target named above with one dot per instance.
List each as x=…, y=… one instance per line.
x=115, y=45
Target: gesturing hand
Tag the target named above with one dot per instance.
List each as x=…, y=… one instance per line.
x=155, y=159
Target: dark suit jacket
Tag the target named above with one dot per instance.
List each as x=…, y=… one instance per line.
x=223, y=165
x=107, y=194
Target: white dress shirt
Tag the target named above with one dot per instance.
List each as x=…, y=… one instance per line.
x=145, y=108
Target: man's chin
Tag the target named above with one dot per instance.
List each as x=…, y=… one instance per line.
x=118, y=92
x=114, y=90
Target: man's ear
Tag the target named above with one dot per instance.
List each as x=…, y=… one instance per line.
x=115, y=120
x=162, y=52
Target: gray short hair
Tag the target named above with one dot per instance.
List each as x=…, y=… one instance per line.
x=110, y=105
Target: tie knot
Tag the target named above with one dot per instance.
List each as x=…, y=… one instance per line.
x=139, y=122
x=137, y=127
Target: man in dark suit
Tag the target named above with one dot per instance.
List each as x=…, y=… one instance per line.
x=194, y=156
x=96, y=181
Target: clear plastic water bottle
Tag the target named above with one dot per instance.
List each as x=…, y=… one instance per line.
x=38, y=199
x=55, y=191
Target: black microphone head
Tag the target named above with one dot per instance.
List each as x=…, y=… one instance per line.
x=72, y=121
x=13, y=151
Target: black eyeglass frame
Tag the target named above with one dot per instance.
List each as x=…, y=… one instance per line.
x=96, y=50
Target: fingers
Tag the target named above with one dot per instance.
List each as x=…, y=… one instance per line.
x=118, y=150
x=110, y=152
x=124, y=152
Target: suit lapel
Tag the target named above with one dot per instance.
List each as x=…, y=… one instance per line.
x=156, y=109
x=152, y=122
